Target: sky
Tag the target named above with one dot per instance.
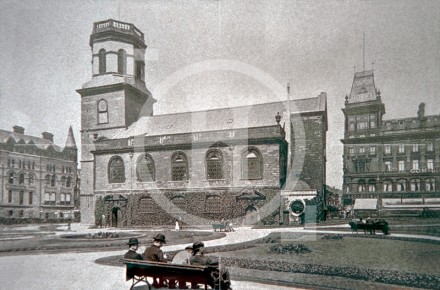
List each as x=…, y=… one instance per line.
x=314, y=45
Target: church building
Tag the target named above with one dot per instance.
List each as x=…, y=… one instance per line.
x=245, y=164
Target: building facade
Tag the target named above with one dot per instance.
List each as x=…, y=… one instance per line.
x=198, y=167
x=391, y=167
x=38, y=178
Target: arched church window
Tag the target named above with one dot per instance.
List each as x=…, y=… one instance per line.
x=102, y=112
x=139, y=69
x=145, y=169
x=122, y=62
x=179, y=167
x=116, y=170
x=214, y=164
x=251, y=164
x=102, y=61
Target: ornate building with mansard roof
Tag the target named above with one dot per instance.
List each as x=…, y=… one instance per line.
x=38, y=178
x=138, y=168
x=391, y=167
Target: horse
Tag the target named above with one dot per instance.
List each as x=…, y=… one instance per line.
x=371, y=226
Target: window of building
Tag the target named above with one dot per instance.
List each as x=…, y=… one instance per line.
x=47, y=179
x=371, y=185
x=401, y=185
x=430, y=184
x=361, y=186
x=387, y=185
x=415, y=164
x=68, y=198
x=351, y=123
x=53, y=198
x=362, y=125
x=147, y=205
x=63, y=181
x=361, y=150
x=21, y=197
x=139, y=69
x=214, y=164
x=430, y=164
x=102, y=61
x=415, y=184
x=116, y=170
x=21, y=178
x=47, y=198
x=20, y=213
x=360, y=165
x=122, y=62
x=68, y=182
x=31, y=179
x=415, y=148
x=430, y=147
x=19, y=163
x=372, y=150
x=213, y=204
x=179, y=167
x=11, y=178
x=401, y=148
x=10, y=213
x=387, y=149
x=401, y=165
x=13, y=163
x=53, y=180
x=145, y=169
x=9, y=162
x=251, y=164
x=372, y=120
x=387, y=166
x=9, y=196
x=102, y=112
x=30, y=197
x=179, y=201
x=62, y=198
x=33, y=165
x=351, y=151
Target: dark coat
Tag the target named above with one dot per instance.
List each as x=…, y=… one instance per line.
x=132, y=255
x=199, y=260
x=154, y=253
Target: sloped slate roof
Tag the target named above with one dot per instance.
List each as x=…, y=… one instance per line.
x=40, y=143
x=259, y=115
x=363, y=83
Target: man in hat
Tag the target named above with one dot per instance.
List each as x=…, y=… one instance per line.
x=154, y=254
x=133, y=245
x=198, y=255
x=183, y=257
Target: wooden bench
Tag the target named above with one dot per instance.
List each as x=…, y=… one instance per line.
x=138, y=271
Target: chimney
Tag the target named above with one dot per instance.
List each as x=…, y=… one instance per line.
x=47, y=136
x=18, y=129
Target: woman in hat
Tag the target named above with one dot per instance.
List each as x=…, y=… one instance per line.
x=133, y=245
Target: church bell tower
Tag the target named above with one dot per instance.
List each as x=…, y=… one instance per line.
x=114, y=98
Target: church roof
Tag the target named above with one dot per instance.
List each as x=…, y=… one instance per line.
x=40, y=143
x=252, y=116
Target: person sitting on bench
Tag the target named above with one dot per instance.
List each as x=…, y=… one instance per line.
x=154, y=254
x=133, y=245
x=182, y=258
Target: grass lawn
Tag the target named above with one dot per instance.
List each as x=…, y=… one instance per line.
x=404, y=256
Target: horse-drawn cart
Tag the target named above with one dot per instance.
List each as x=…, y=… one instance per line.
x=370, y=226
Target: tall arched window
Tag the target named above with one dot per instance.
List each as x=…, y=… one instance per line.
x=68, y=182
x=145, y=169
x=102, y=61
x=214, y=164
x=102, y=112
x=122, y=62
x=116, y=170
x=21, y=178
x=251, y=164
x=179, y=167
x=11, y=178
x=53, y=180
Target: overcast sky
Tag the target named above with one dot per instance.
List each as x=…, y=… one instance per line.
x=314, y=45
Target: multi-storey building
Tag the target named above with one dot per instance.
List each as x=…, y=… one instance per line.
x=138, y=168
x=37, y=177
x=390, y=166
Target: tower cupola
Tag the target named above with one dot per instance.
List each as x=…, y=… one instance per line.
x=118, y=49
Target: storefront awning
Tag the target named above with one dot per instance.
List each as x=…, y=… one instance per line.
x=365, y=203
